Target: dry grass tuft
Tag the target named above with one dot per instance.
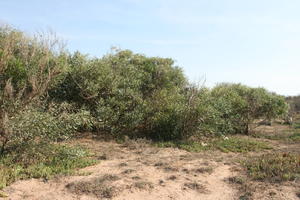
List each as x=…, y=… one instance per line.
x=128, y=171
x=99, y=187
x=136, y=144
x=143, y=185
x=204, y=170
x=244, y=186
x=195, y=186
x=173, y=177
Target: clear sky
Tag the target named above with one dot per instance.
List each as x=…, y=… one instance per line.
x=254, y=42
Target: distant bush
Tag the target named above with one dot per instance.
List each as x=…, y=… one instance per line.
x=240, y=105
x=294, y=102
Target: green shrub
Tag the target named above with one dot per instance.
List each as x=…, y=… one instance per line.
x=128, y=94
x=28, y=67
x=240, y=105
x=295, y=137
x=41, y=160
x=240, y=145
x=121, y=94
x=294, y=102
x=274, y=167
x=33, y=124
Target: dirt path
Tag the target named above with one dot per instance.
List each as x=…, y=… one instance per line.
x=138, y=171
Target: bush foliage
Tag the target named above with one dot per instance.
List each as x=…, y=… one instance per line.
x=48, y=94
x=41, y=161
x=274, y=167
x=121, y=94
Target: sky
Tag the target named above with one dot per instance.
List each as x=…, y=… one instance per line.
x=255, y=42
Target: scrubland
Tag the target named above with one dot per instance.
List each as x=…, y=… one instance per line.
x=128, y=126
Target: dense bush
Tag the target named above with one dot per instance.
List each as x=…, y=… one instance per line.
x=294, y=103
x=240, y=105
x=127, y=93
x=131, y=94
x=29, y=66
x=36, y=125
x=121, y=93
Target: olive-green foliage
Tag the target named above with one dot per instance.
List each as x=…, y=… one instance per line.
x=128, y=93
x=294, y=102
x=121, y=93
x=240, y=145
x=240, y=105
x=274, y=167
x=34, y=124
x=41, y=160
x=135, y=95
x=28, y=67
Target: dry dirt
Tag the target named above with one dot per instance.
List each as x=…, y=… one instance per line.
x=136, y=170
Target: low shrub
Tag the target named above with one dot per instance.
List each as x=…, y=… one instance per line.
x=274, y=167
x=42, y=160
x=33, y=124
x=295, y=137
x=101, y=187
x=240, y=145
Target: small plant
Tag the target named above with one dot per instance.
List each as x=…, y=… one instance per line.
x=295, y=137
x=195, y=186
x=237, y=180
x=142, y=185
x=245, y=188
x=203, y=170
x=188, y=146
x=128, y=171
x=99, y=187
x=240, y=145
x=274, y=167
x=172, y=178
x=41, y=161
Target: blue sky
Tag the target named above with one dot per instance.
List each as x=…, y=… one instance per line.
x=253, y=42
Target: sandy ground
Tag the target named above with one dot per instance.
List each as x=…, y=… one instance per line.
x=135, y=171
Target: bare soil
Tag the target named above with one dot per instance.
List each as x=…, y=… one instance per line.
x=136, y=170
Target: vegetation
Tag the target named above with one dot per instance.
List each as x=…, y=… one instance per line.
x=41, y=161
x=29, y=67
x=48, y=95
x=241, y=105
x=241, y=145
x=98, y=187
x=274, y=167
x=227, y=144
x=290, y=134
x=294, y=103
